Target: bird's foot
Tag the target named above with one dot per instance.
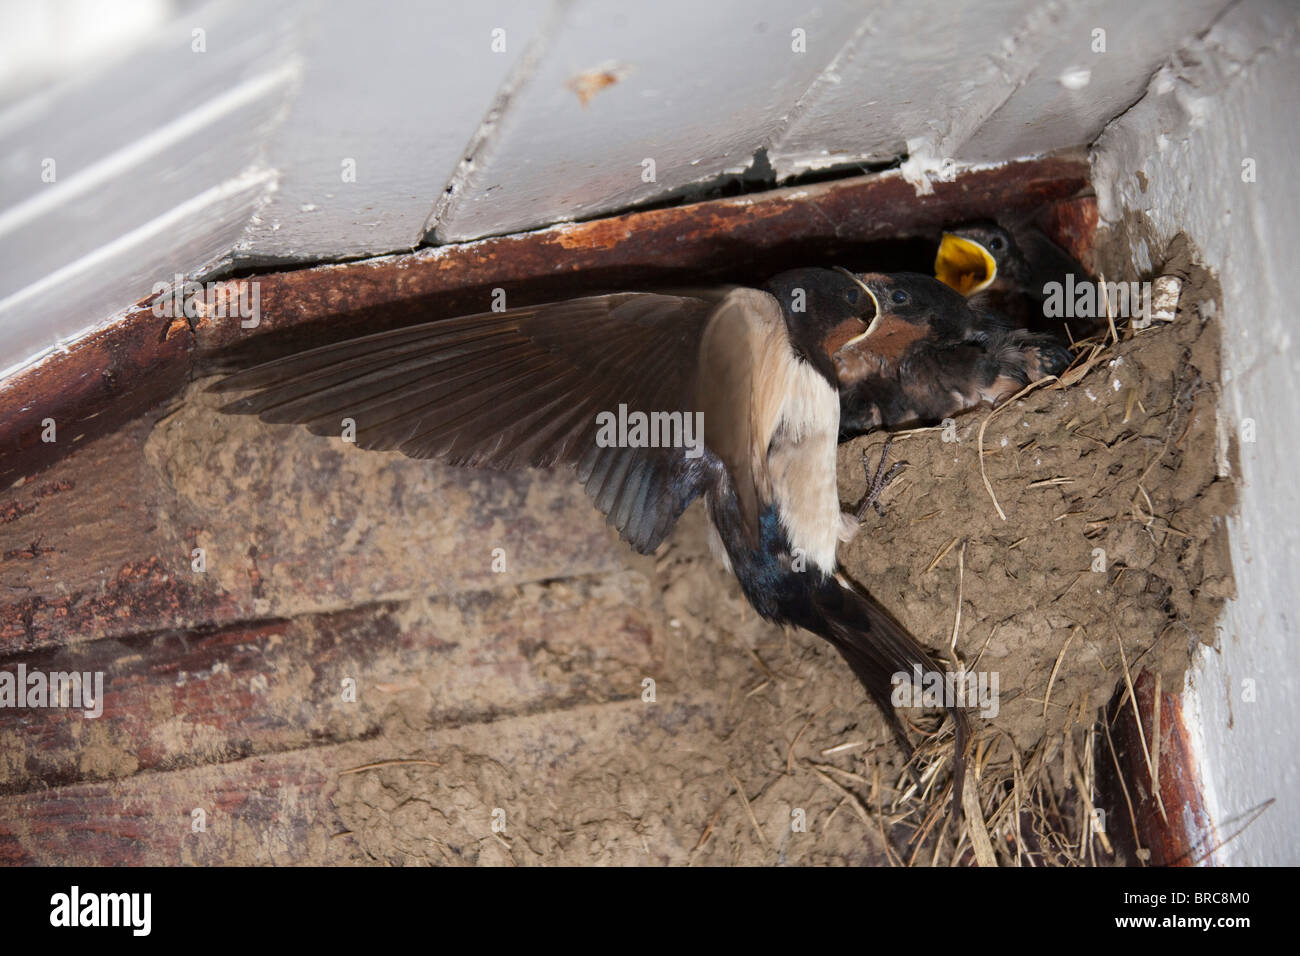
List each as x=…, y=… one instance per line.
x=878, y=480
x=1040, y=355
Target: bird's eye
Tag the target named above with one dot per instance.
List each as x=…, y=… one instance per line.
x=852, y=295
x=899, y=297
x=995, y=243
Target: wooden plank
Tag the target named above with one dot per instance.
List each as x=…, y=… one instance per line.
x=178, y=699
x=605, y=93
x=1047, y=107
x=864, y=109
x=289, y=524
x=746, y=238
x=106, y=379
x=92, y=550
x=590, y=784
x=362, y=162
x=112, y=183
x=1183, y=834
x=101, y=382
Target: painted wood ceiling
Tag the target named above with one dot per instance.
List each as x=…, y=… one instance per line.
x=239, y=134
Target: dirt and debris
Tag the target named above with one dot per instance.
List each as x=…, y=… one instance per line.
x=595, y=707
x=1112, y=557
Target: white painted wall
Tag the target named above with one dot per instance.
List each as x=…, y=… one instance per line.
x=1232, y=96
x=173, y=159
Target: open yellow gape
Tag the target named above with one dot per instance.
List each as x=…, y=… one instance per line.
x=964, y=265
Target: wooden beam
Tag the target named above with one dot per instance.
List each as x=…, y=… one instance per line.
x=289, y=524
x=1182, y=834
x=179, y=699
x=139, y=361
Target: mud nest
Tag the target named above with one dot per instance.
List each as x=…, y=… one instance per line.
x=1091, y=546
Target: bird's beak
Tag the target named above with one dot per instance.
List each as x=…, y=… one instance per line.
x=875, y=302
x=964, y=264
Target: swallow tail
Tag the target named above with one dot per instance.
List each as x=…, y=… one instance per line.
x=877, y=648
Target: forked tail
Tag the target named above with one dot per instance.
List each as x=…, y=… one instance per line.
x=878, y=648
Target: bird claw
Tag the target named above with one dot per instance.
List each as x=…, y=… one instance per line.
x=878, y=480
x=1040, y=355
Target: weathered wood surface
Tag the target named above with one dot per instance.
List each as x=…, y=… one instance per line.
x=103, y=546
x=587, y=783
x=489, y=620
x=1176, y=829
x=224, y=691
x=183, y=698
x=106, y=379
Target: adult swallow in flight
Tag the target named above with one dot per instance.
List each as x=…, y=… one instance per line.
x=1008, y=267
x=930, y=353
x=545, y=385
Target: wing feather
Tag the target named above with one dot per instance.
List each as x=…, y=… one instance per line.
x=525, y=387
x=746, y=373
x=503, y=390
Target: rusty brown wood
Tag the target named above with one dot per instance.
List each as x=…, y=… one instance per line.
x=276, y=803
x=132, y=365
x=99, y=383
x=178, y=699
x=1184, y=834
x=101, y=546
x=317, y=805
x=1073, y=224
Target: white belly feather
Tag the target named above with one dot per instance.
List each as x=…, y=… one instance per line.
x=801, y=463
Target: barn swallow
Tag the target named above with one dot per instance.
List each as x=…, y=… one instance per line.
x=539, y=386
x=930, y=353
x=1009, y=268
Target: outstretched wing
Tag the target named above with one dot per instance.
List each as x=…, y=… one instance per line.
x=517, y=388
